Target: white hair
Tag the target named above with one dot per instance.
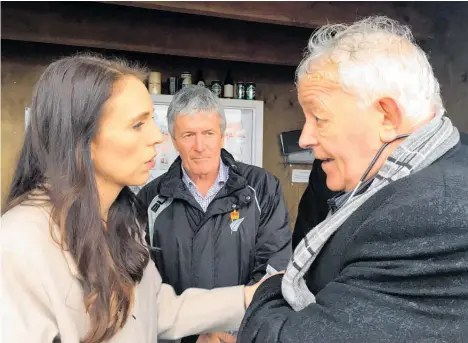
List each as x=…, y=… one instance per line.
x=191, y=100
x=377, y=57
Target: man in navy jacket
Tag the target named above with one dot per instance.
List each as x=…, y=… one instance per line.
x=389, y=264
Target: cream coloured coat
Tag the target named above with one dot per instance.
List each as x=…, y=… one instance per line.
x=41, y=296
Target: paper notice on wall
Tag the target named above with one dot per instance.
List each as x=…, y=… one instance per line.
x=238, y=134
x=166, y=152
x=300, y=175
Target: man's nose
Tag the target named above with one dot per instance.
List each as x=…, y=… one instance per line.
x=308, y=137
x=199, y=143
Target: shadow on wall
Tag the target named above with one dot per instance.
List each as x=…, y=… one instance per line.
x=448, y=53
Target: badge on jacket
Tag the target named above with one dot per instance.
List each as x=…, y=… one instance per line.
x=235, y=225
x=234, y=216
x=235, y=221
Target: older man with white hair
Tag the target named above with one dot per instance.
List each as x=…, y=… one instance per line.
x=390, y=262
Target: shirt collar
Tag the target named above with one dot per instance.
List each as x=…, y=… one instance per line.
x=335, y=203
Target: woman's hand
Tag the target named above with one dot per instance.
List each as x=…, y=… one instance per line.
x=249, y=291
x=216, y=337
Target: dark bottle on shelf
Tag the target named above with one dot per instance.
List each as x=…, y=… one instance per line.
x=200, y=80
x=186, y=77
x=172, y=81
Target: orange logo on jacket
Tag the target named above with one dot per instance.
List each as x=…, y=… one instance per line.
x=234, y=215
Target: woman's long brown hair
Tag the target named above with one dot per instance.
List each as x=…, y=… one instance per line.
x=66, y=108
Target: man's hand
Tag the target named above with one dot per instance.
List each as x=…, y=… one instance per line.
x=216, y=337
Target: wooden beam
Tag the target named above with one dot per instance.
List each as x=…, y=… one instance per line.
x=98, y=25
x=308, y=14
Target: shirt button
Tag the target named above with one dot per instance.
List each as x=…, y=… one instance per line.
x=234, y=205
x=247, y=198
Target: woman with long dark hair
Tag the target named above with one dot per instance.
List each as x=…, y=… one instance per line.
x=74, y=263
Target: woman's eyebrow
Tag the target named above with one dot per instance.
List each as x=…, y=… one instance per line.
x=140, y=116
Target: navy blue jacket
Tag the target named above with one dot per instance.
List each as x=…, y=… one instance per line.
x=396, y=271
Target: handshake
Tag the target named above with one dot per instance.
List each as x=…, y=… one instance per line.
x=249, y=292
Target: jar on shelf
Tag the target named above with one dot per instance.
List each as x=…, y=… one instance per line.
x=154, y=83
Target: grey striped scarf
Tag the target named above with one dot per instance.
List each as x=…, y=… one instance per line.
x=417, y=152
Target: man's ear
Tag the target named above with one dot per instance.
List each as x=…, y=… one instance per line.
x=391, y=119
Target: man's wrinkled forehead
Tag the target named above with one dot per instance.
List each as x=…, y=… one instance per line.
x=321, y=75
x=317, y=82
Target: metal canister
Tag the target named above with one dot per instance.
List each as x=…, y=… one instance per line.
x=250, y=90
x=186, y=79
x=240, y=90
x=216, y=87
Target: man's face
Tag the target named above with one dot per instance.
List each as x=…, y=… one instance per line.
x=338, y=128
x=198, y=139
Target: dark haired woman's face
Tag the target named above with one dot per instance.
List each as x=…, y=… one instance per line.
x=123, y=150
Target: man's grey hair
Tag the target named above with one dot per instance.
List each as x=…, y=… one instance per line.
x=377, y=57
x=191, y=100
